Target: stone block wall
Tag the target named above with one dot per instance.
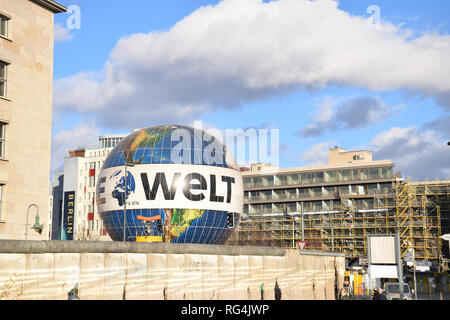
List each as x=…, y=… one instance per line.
x=49, y=270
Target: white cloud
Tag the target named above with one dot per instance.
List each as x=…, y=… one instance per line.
x=61, y=34
x=83, y=134
x=318, y=154
x=239, y=51
x=418, y=153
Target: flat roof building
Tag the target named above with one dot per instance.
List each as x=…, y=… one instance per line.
x=318, y=204
x=78, y=179
x=351, y=179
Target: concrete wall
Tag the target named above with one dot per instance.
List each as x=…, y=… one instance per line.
x=115, y=271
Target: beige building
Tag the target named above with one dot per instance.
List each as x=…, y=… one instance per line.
x=350, y=179
x=321, y=204
x=26, y=76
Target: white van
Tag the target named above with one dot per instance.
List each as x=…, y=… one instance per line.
x=392, y=290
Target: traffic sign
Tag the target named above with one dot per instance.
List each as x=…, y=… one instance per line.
x=302, y=245
x=423, y=263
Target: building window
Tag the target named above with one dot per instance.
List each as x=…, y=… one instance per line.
x=4, y=26
x=92, y=181
x=374, y=173
x=1, y=199
x=280, y=194
x=386, y=172
x=3, y=78
x=293, y=179
x=257, y=182
x=372, y=188
x=266, y=195
x=2, y=139
x=345, y=175
x=281, y=180
x=306, y=178
x=267, y=208
x=330, y=176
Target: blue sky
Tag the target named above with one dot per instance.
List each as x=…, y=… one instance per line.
x=316, y=71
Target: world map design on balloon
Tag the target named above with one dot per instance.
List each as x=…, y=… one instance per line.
x=119, y=187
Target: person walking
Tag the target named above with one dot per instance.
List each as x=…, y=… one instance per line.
x=277, y=290
x=379, y=294
x=261, y=288
x=344, y=295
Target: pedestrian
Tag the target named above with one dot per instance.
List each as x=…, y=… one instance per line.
x=348, y=288
x=375, y=295
x=379, y=294
x=343, y=294
x=262, y=291
x=277, y=291
x=382, y=294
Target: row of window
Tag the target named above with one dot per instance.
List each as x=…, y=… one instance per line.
x=99, y=153
x=4, y=21
x=318, y=177
x=92, y=166
x=318, y=192
x=89, y=225
x=109, y=142
x=316, y=206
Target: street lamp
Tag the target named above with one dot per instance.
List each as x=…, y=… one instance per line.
x=125, y=201
x=37, y=226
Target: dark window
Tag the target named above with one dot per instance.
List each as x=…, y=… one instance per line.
x=3, y=78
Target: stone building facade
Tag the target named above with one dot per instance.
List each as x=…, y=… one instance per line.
x=26, y=65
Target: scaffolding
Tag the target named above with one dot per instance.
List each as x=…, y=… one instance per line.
x=418, y=211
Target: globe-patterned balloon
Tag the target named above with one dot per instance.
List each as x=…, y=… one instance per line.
x=181, y=185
